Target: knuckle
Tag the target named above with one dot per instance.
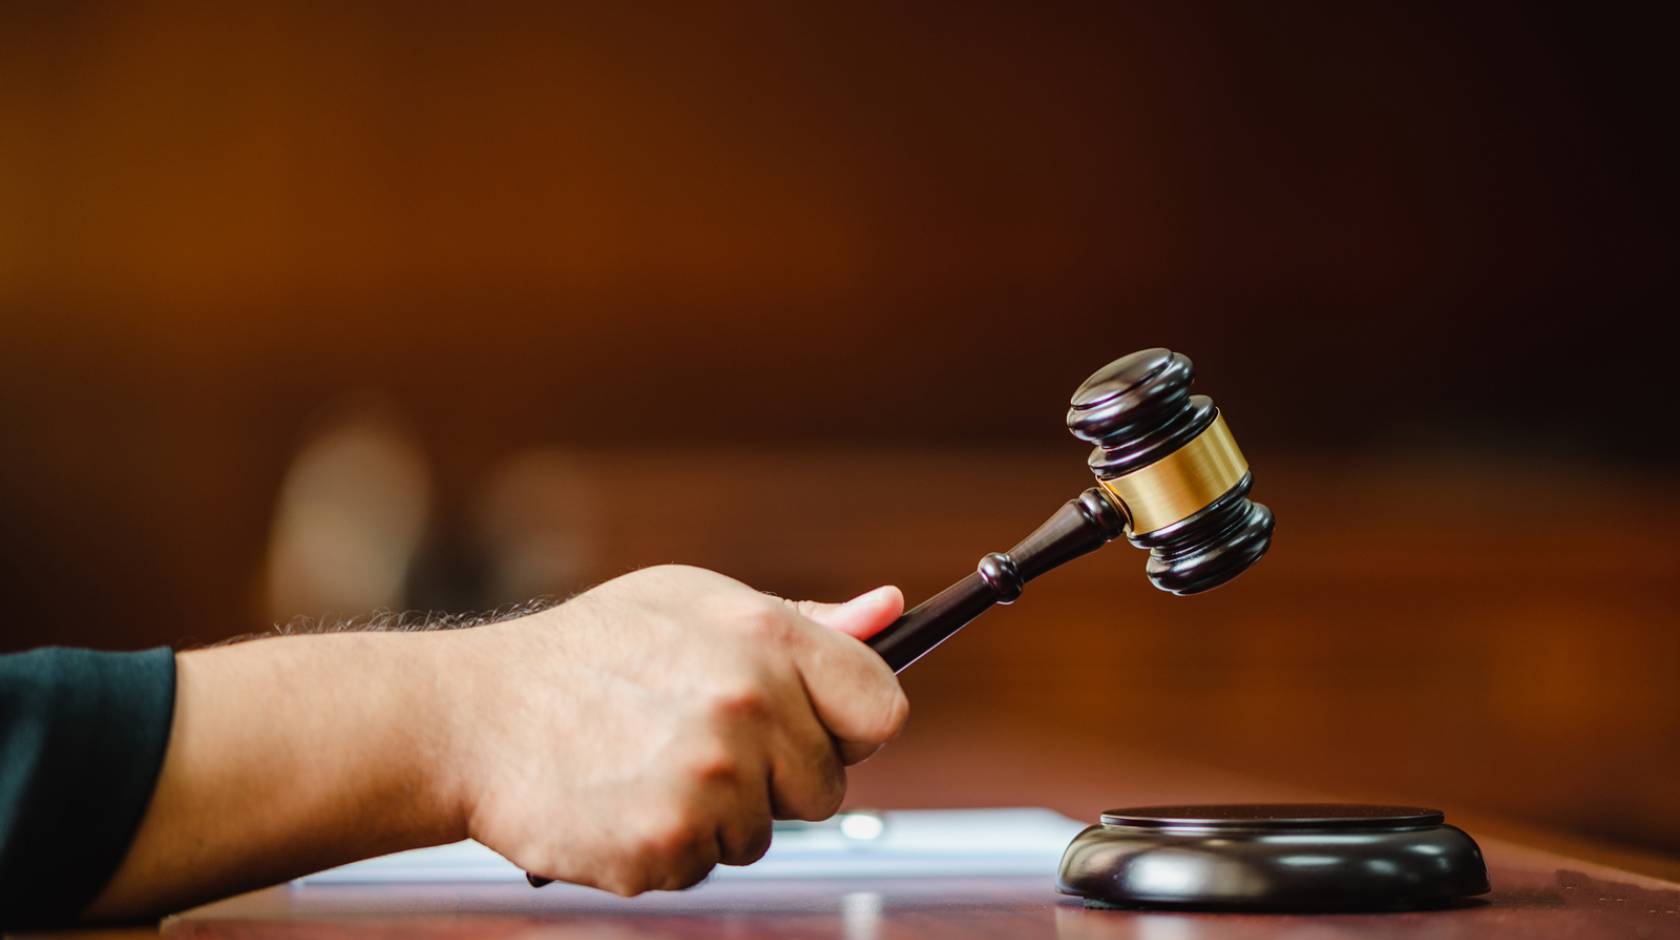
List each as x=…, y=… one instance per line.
x=815, y=806
x=829, y=787
x=886, y=719
x=766, y=622
x=819, y=792
x=714, y=765
x=739, y=704
x=832, y=794
x=823, y=800
x=666, y=840
x=756, y=845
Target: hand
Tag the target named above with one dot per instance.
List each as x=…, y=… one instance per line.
x=647, y=730
x=631, y=739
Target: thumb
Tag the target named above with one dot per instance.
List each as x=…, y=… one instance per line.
x=862, y=616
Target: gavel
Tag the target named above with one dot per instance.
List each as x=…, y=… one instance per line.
x=1170, y=478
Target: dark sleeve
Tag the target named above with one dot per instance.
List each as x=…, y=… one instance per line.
x=82, y=736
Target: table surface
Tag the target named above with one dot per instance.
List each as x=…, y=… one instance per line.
x=1537, y=893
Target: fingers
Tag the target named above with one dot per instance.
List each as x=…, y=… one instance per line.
x=852, y=690
x=862, y=616
x=739, y=789
x=665, y=845
x=806, y=778
x=713, y=809
x=696, y=710
x=668, y=851
x=744, y=835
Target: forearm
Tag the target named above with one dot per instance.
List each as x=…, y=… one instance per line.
x=629, y=739
x=289, y=755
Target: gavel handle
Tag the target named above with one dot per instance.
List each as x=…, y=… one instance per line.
x=1082, y=525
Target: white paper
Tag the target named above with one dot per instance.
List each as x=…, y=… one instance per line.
x=905, y=844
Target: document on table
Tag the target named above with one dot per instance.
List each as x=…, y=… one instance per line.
x=927, y=843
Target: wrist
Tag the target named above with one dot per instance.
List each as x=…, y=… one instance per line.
x=433, y=712
x=483, y=710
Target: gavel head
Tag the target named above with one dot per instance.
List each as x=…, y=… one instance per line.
x=1167, y=460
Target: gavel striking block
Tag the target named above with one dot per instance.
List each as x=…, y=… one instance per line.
x=1170, y=478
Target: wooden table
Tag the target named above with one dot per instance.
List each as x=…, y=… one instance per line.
x=1537, y=893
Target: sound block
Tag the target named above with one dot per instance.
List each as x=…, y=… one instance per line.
x=1282, y=856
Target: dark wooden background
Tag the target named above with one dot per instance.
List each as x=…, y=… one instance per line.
x=800, y=293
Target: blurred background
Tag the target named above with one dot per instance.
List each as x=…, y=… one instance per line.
x=312, y=311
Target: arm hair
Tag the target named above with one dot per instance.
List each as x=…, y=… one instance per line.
x=390, y=621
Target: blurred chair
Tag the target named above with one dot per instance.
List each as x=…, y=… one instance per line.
x=536, y=522
x=352, y=514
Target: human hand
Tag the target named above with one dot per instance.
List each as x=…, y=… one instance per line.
x=650, y=729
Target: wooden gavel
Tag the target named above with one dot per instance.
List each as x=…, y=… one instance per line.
x=1171, y=479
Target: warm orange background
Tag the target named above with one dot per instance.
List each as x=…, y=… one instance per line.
x=800, y=292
